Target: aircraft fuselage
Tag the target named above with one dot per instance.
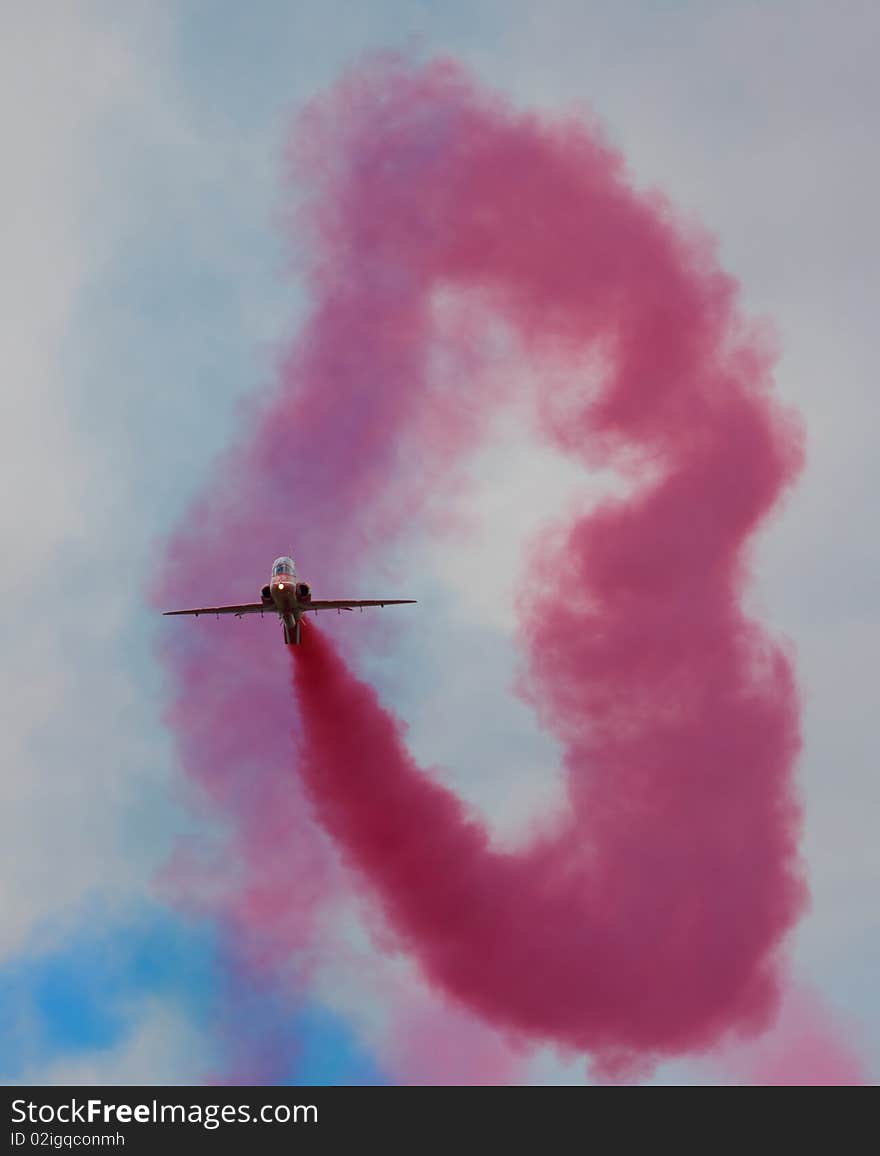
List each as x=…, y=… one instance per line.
x=288, y=597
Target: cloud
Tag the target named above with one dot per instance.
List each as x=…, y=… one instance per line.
x=108, y=997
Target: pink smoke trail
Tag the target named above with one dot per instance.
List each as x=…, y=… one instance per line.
x=804, y=1048
x=650, y=922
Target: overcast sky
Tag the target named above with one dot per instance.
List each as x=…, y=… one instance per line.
x=145, y=298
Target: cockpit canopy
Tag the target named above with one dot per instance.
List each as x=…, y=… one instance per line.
x=283, y=566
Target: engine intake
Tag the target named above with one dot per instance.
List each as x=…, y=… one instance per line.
x=266, y=594
x=303, y=592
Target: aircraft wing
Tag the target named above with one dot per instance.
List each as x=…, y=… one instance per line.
x=246, y=608
x=354, y=604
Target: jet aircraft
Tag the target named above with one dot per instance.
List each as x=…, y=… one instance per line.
x=290, y=599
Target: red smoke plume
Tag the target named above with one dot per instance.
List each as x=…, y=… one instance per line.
x=650, y=921
x=804, y=1048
